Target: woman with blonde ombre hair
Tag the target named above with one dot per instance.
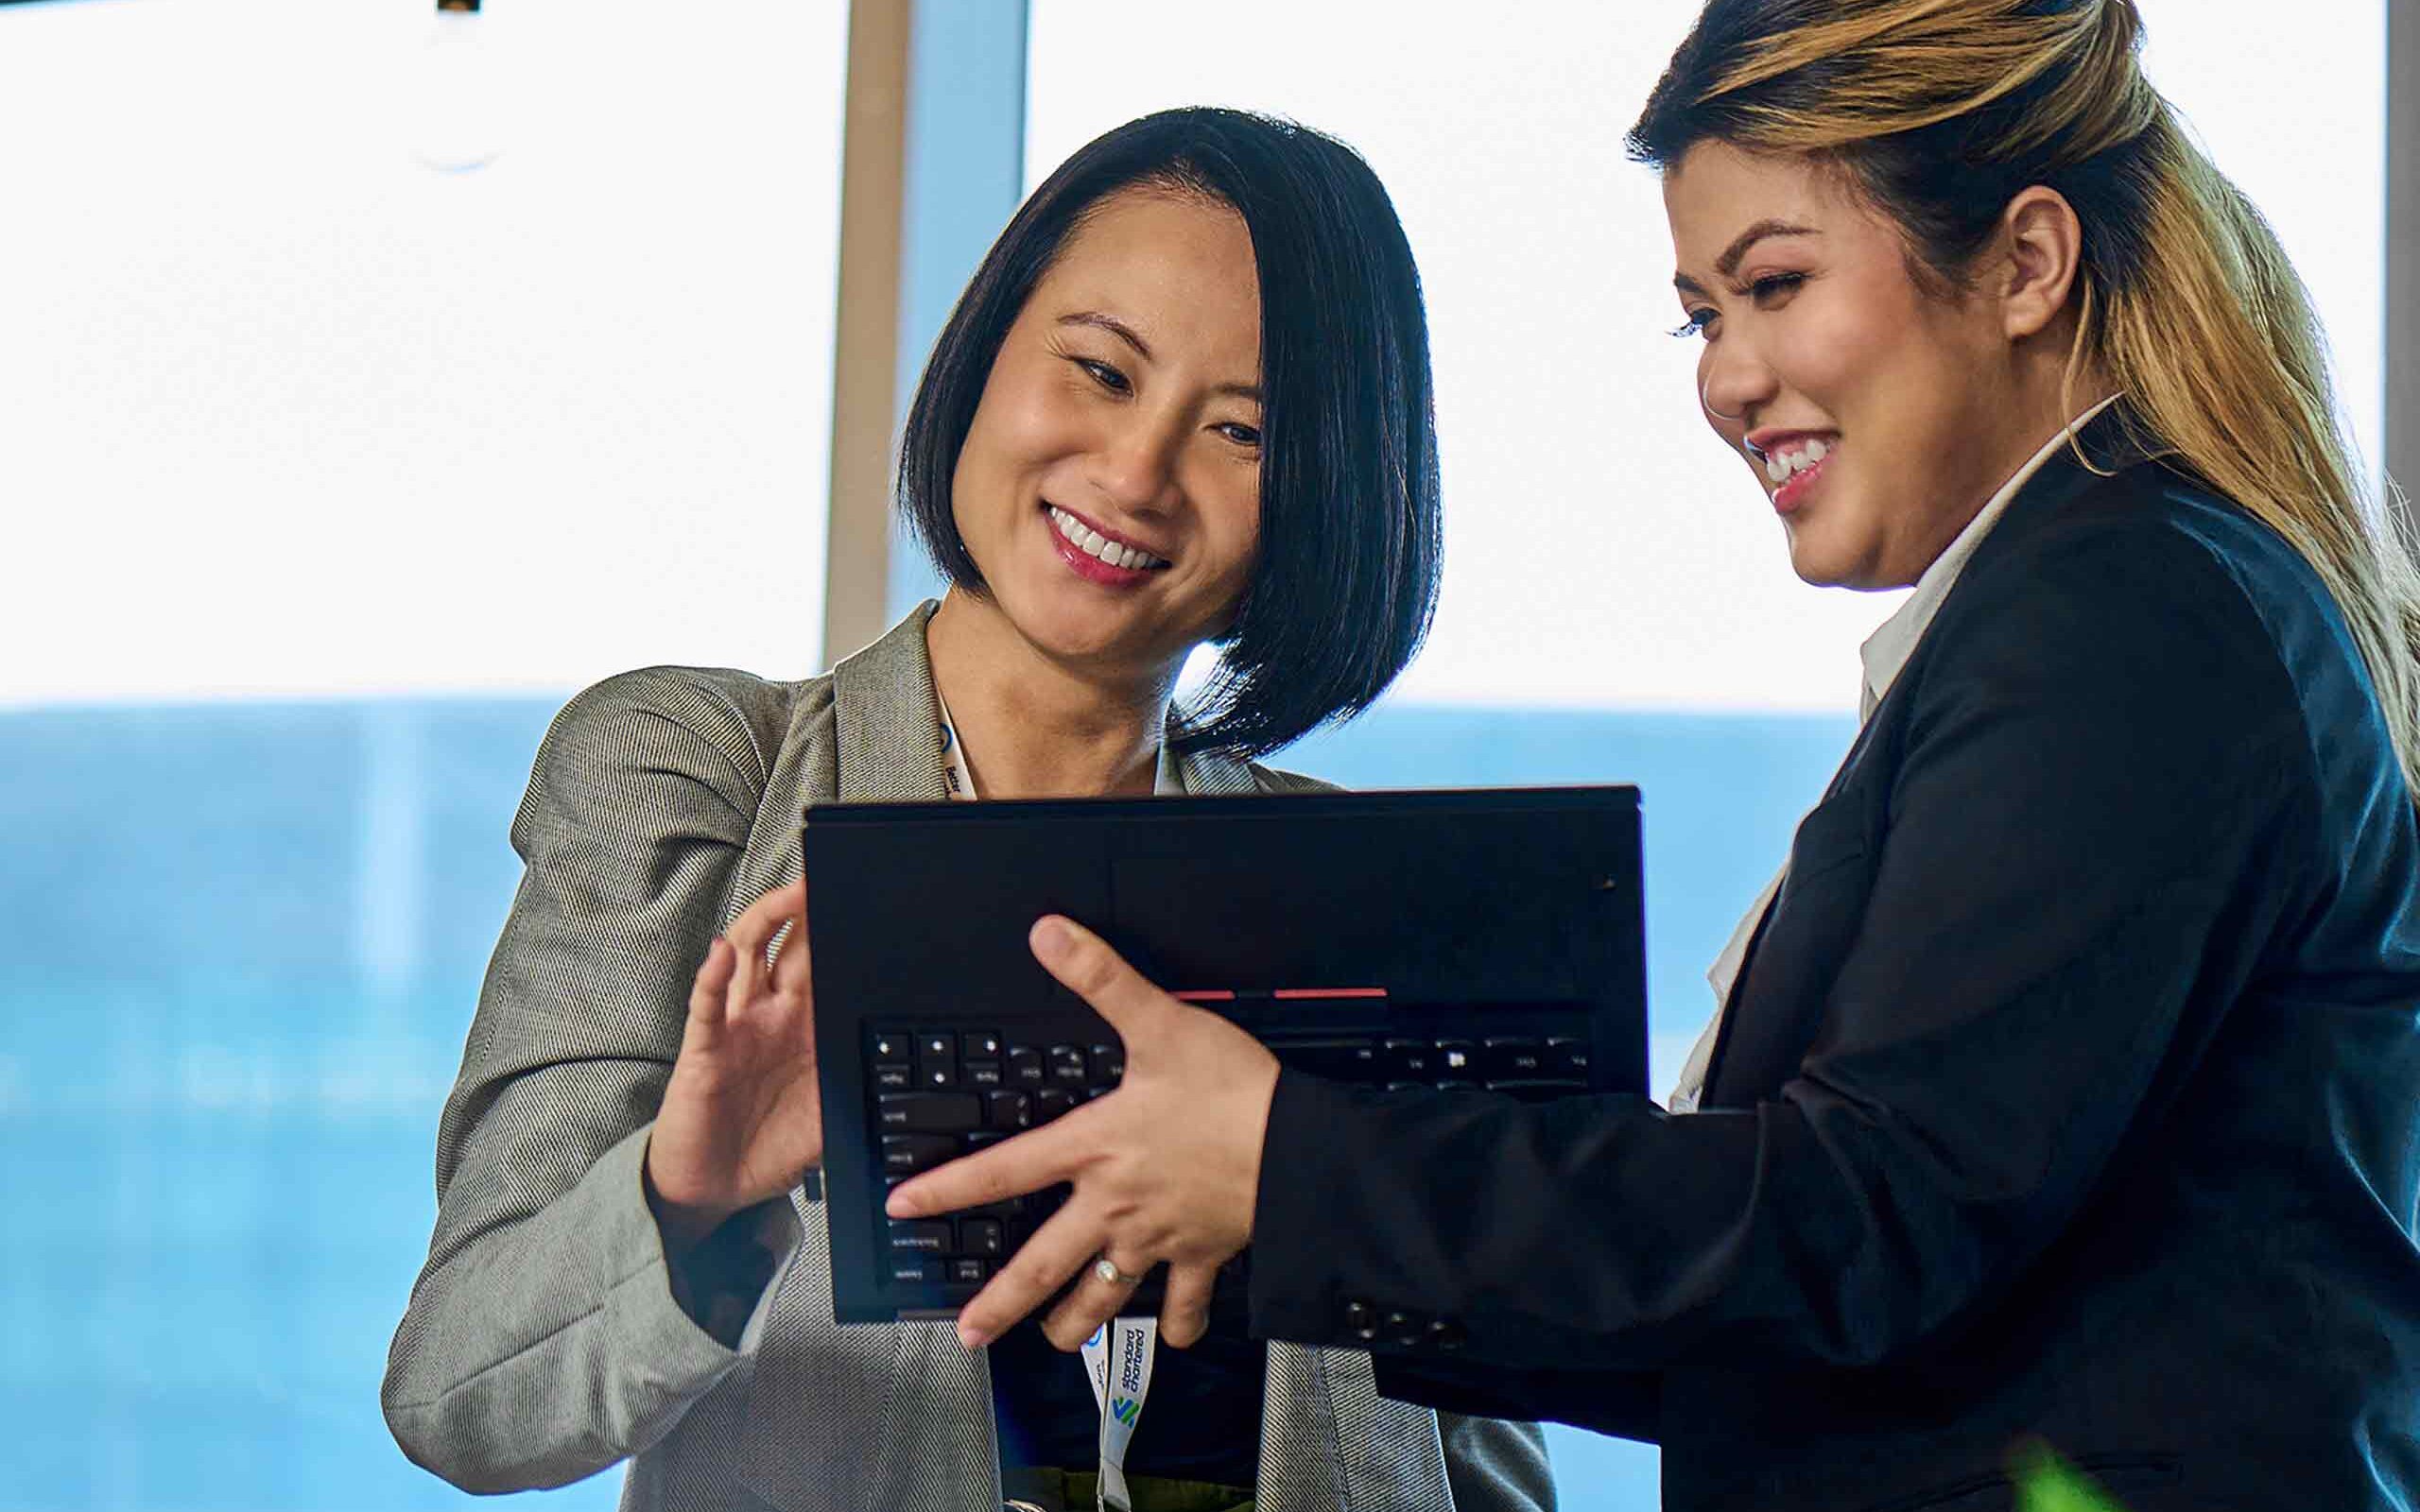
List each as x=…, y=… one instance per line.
x=2065, y=1088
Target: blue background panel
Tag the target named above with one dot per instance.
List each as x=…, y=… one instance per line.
x=242, y=945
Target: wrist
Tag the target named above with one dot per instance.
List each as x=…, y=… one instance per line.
x=682, y=1224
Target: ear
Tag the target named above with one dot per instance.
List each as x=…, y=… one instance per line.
x=2043, y=246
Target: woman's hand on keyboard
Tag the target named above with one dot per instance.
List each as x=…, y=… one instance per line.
x=740, y=1118
x=1167, y=1168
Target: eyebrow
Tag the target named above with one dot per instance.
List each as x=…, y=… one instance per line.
x=1728, y=263
x=1143, y=349
x=1113, y=326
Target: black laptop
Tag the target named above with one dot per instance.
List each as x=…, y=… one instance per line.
x=1486, y=942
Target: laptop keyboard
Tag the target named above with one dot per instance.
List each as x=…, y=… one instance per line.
x=939, y=1094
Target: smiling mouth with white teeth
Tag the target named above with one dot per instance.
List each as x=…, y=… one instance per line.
x=1093, y=544
x=1796, y=458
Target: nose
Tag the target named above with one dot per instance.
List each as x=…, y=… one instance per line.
x=1732, y=381
x=1135, y=468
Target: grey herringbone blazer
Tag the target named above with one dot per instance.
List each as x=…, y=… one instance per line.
x=542, y=1343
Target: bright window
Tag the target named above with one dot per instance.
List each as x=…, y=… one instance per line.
x=311, y=452
x=290, y=411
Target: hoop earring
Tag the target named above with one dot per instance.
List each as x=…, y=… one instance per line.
x=1708, y=405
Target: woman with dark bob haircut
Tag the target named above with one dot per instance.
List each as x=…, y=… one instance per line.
x=2065, y=1088
x=1186, y=400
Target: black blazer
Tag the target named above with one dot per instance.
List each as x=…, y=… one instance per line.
x=2068, y=1088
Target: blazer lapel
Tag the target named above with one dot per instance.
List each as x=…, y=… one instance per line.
x=1330, y=1443
x=1730, y=1010
x=882, y=710
x=1211, y=773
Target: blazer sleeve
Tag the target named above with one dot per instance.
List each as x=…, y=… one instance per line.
x=2101, y=812
x=542, y=1341
x=1495, y=1466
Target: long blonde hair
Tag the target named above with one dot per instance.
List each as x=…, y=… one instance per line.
x=1940, y=111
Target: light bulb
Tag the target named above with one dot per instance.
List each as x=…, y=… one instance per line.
x=460, y=98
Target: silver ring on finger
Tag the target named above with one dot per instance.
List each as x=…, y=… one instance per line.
x=1107, y=1270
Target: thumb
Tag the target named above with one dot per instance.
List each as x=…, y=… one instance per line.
x=1085, y=965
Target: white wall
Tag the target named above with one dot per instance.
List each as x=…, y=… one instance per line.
x=284, y=410
x=1601, y=550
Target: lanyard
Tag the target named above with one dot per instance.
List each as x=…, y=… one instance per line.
x=1117, y=1358
x=954, y=767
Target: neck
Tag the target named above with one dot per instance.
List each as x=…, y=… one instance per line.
x=1032, y=726
x=2060, y=404
x=2039, y=407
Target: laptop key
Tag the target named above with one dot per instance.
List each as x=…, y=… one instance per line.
x=890, y=1046
x=928, y=1113
x=1011, y=1111
x=1025, y=1067
x=909, y=1272
x=1512, y=1057
x=968, y=1272
x=1410, y=1059
x=1344, y=1059
x=1537, y=1086
x=894, y=1078
x=925, y=1237
x=1049, y=1105
x=1066, y=1065
x=907, y=1154
x=935, y=1060
x=983, y=1237
x=1568, y=1058
x=1108, y=1063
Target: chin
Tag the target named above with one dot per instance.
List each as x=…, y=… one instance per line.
x=1815, y=567
x=1070, y=632
x=1822, y=561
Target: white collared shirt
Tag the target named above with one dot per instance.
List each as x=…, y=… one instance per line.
x=1884, y=653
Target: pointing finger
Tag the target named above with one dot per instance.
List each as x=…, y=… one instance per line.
x=1011, y=1168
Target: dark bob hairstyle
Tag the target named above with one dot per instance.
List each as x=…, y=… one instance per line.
x=1345, y=581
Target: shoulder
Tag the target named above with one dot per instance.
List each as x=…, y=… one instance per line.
x=1276, y=779
x=2161, y=537
x=2152, y=621
x=2143, y=579
x=717, y=726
